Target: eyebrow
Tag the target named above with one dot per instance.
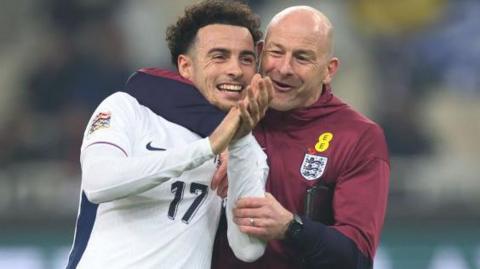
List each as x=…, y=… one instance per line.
x=309, y=53
x=248, y=53
x=226, y=51
x=221, y=50
x=273, y=44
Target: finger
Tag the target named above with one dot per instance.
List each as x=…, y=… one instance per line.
x=219, y=176
x=269, y=87
x=268, y=92
x=222, y=192
x=253, y=85
x=269, y=196
x=245, y=116
x=262, y=96
x=254, y=82
x=258, y=232
x=248, y=213
x=250, y=202
x=245, y=98
x=223, y=188
x=253, y=105
x=251, y=221
x=252, y=98
x=223, y=134
x=244, y=221
x=254, y=88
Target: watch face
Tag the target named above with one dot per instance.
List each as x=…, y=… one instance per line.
x=295, y=227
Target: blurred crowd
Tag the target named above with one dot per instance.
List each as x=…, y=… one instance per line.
x=411, y=65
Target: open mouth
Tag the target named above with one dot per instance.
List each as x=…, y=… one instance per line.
x=281, y=86
x=228, y=87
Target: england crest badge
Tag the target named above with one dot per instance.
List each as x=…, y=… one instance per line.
x=313, y=166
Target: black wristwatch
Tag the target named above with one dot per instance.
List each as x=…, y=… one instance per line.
x=294, y=228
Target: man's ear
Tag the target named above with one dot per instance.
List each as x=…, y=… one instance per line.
x=332, y=68
x=184, y=63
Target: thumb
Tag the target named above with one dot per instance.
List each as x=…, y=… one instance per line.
x=218, y=176
x=221, y=173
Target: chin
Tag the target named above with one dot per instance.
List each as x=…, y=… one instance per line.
x=225, y=105
x=279, y=107
x=281, y=104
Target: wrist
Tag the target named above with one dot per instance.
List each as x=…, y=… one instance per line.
x=294, y=228
x=241, y=141
x=286, y=224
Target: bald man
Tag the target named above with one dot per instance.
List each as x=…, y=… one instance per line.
x=329, y=167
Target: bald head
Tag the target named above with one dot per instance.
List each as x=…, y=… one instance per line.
x=305, y=18
x=297, y=56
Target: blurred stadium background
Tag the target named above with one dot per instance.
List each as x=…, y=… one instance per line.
x=411, y=65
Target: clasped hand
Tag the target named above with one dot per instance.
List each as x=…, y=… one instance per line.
x=243, y=117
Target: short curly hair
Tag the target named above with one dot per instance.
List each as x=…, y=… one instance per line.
x=181, y=35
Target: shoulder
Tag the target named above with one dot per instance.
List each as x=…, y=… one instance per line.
x=351, y=119
x=367, y=136
x=121, y=101
x=120, y=97
x=120, y=105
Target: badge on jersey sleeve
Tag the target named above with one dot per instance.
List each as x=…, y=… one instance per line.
x=101, y=121
x=314, y=165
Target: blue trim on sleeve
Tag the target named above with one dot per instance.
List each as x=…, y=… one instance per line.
x=176, y=101
x=321, y=246
x=85, y=221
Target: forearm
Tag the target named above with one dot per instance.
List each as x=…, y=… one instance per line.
x=321, y=246
x=107, y=174
x=247, y=172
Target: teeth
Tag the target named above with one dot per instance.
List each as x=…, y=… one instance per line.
x=230, y=87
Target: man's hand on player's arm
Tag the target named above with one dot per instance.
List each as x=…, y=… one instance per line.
x=262, y=217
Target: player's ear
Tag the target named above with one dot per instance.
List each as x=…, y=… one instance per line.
x=184, y=63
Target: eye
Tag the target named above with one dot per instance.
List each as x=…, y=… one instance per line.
x=303, y=59
x=275, y=53
x=219, y=57
x=248, y=59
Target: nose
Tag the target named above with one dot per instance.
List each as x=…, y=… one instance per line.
x=285, y=67
x=234, y=69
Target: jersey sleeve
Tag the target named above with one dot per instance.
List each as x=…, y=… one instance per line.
x=247, y=173
x=361, y=193
x=110, y=172
x=110, y=121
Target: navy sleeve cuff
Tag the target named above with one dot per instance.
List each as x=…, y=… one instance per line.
x=320, y=246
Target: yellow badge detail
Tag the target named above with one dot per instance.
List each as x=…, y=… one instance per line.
x=323, y=142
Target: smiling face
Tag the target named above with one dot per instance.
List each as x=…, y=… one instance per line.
x=220, y=63
x=297, y=57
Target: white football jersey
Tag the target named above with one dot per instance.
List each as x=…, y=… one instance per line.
x=150, y=205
